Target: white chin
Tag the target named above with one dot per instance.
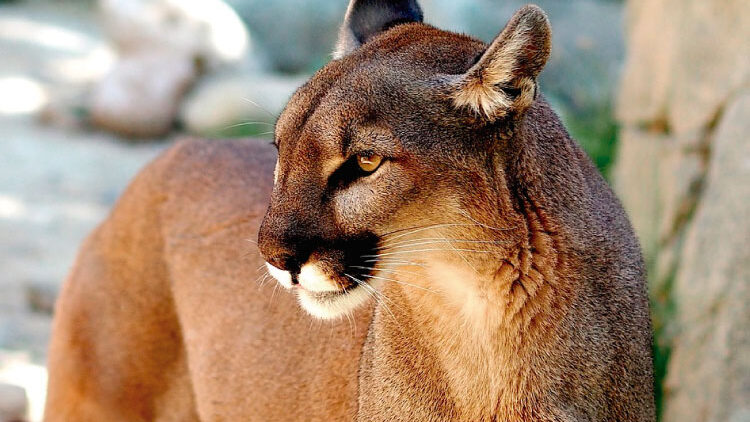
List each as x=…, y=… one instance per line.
x=329, y=305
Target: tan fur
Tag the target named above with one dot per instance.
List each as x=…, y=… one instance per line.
x=164, y=316
x=505, y=281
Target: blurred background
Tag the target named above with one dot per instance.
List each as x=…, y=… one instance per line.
x=656, y=91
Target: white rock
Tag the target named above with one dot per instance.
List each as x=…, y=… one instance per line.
x=209, y=30
x=13, y=403
x=140, y=97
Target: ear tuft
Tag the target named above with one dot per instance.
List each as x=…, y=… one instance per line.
x=366, y=18
x=504, y=78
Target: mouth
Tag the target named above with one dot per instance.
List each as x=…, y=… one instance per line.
x=334, y=279
x=333, y=303
x=328, y=294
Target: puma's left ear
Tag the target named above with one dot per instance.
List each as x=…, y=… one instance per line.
x=367, y=18
x=504, y=78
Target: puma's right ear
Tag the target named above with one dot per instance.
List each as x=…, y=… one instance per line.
x=367, y=18
x=504, y=78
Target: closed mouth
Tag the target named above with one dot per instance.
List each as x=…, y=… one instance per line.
x=326, y=296
x=336, y=303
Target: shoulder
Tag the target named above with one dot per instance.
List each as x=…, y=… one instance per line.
x=193, y=158
x=198, y=183
x=198, y=166
x=204, y=181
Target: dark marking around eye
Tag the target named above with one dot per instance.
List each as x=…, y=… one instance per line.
x=345, y=175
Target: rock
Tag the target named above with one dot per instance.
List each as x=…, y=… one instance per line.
x=221, y=101
x=206, y=30
x=685, y=109
x=652, y=33
x=140, y=97
x=13, y=403
x=685, y=59
x=710, y=364
x=634, y=177
x=712, y=63
x=295, y=35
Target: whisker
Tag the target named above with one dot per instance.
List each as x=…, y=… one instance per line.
x=389, y=270
x=351, y=323
x=273, y=293
x=263, y=282
x=426, y=250
x=418, y=242
x=394, y=261
x=246, y=124
x=466, y=214
x=416, y=229
x=423, y=228
x=375, y=294
x=463, y=258
x=260, y=107
x=400, y=282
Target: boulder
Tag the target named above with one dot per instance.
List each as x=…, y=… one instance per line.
x=636, y=180
x=652, y=32
x=710, y=364
x=712, y=61
x=295, y=35
x=140, y=97
x=13, y=403
x=682, y=174
x=206, y=30
x=685, y=58
x=225, y=101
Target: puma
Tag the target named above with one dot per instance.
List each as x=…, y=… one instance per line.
x=446, y=251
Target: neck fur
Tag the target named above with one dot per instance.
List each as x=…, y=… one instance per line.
x=490, y=318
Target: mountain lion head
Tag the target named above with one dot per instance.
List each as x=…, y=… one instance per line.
x=394, y=154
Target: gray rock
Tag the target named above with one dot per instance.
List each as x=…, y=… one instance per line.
x=13, y=403
x=712, y=63
x=56, y=187
x=140, y=97
x=222, y=101
x=685, y=59
x=709, y=370
x=295, y=35
x=208, y=30
x=652, y=33
x=635, y=177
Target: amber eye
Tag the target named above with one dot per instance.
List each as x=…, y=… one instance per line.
x=370, y=163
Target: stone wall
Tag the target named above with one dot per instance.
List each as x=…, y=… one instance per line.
x=683, y=173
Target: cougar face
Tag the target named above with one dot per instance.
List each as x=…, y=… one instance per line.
x=392, y=140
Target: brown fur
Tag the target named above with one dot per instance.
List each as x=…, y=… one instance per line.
x=511, y=285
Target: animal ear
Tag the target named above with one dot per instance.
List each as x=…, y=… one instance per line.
x=503, y=80
x=367, y=18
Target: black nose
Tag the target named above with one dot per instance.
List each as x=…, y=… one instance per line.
x=280, y=250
